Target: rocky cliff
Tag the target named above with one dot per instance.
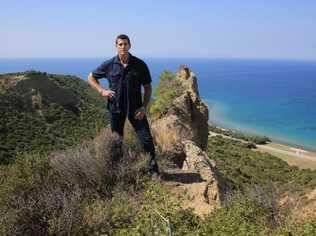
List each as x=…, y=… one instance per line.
x=182, y=132
x=186, y=117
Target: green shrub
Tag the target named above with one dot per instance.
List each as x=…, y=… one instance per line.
x=167, y=90
x=242, y=216
x=33, y=122
x=160, y=215
x=108, y=217
x=20, y=188
x=242, y=167
x=257, y=139
x=307, y=228
x=42, y=195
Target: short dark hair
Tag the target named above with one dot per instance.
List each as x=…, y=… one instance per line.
x=123, y=36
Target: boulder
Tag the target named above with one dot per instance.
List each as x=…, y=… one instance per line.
x=198, y=161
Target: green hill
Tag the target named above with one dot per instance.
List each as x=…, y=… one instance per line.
x=42, y=112
x=94, y=189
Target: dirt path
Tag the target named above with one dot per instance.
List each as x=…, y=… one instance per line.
x=187, y=188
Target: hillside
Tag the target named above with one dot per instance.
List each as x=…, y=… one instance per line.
x=209, y=186
x=280, y=190
x=42, y=112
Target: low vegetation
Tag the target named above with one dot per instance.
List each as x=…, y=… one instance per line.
x=101, y=187
x=63, y=193
x=34, y=120
x=242, y=167
x=167, y=90
x=256, y=139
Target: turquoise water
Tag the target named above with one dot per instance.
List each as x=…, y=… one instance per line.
x=274, y=98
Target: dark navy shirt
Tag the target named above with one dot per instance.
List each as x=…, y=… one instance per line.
x=125, y=82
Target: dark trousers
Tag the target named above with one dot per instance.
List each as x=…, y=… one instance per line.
x=141, y=127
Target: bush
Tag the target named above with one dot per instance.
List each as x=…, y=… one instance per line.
x=53, y=194
x=160, y=215
x=23, y=212
x=242, y=167
x=256, y=139
x=241, y=216
x=87, y=166
x=253, y=212
x=108, y=216
x=39, y=117
x=167, y=90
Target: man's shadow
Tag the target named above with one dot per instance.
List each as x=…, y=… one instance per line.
x=185, y=178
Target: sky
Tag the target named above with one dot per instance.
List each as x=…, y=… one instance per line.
x=274, y=29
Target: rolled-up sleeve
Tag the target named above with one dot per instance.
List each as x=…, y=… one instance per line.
x=102, y=70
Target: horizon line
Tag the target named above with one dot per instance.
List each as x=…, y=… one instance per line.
x=165, y=57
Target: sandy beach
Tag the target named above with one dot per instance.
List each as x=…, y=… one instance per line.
x=293, y=156
x=301, y=158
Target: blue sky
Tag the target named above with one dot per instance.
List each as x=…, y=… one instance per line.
x=209, y=29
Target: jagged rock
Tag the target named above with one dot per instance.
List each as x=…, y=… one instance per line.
x=182, y=133
x=197, y=160
x=187, y=115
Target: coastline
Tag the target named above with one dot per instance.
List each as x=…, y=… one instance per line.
x=248, y=131
x=302, y=158
x=219, y=116
x=294, y=155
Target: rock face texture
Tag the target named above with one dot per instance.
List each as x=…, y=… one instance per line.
x=182, y=132
x=197, y=160
x=187, y=116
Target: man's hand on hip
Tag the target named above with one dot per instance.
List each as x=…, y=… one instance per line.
x=107, y=93
x=140, y=113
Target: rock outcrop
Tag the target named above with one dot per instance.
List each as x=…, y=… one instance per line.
x=197, y=160
x=182, y=132
x=187, y=116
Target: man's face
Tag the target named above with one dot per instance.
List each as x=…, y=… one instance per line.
x=122, y=46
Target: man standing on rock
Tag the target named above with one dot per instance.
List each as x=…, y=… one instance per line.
x=126, y=75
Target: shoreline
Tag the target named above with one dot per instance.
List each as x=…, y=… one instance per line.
x=293, y=145
x=218, y=109
x=301, y=158
x=294, y=155
x=274, y=140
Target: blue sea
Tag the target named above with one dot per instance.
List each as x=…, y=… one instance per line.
x=276, y=98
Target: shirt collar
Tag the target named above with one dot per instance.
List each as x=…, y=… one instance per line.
x=129, y=60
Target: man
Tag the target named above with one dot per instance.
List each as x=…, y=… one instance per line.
x=126, y=75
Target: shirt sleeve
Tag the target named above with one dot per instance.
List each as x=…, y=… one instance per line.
x=101, y=71
x=146, y=78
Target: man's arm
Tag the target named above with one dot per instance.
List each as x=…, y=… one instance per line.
x=140, y=112
x=146, y=82
x=147, y=94
x=95, y=85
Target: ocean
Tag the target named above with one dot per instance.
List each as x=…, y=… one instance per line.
x=276, y=98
